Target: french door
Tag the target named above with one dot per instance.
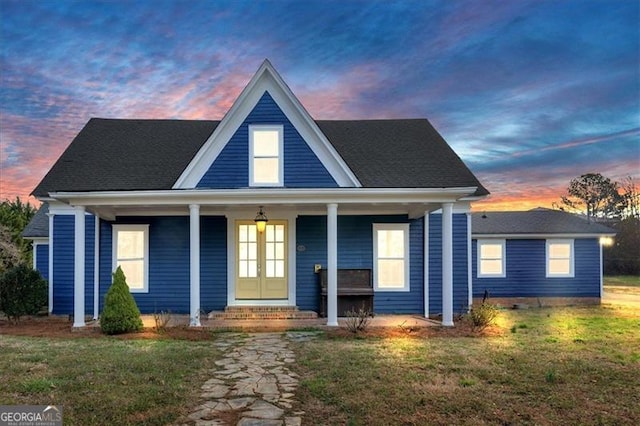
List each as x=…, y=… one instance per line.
x=261, y=260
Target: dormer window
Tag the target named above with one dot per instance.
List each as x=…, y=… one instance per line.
x=265, y=155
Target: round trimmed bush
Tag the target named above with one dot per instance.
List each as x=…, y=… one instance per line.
x=120, y=314
x=23, y=291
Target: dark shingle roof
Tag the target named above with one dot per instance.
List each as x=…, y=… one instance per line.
x=398, y=153
x=536, y=221
x=126, y=155
x=120, y=155
x=39, y=224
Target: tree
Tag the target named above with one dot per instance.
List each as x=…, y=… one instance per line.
x=120, y=313
x=632, y=197
x=14, y=216
x=596, y=196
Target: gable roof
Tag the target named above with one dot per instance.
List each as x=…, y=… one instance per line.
x=537, y=221
x=38, y=226
x=267, y=80
x=127, y=155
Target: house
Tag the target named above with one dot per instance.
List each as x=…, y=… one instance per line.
x=178, y=205
x=540, y=256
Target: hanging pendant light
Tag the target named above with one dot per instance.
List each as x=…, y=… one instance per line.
x=261, y=220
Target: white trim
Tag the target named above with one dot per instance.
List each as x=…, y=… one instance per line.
x=404, y=227
x=447, y=264
x=249, y=197
x=36, y=241
x=332, y=265
x=539, y=236
x=426, y=264
x=275, y=214
x=267, y=79
x=503, y=257
x=114, y=251
x=601, y=272
x=79, y=267
x=194, y=265
x=470, y=265
x=551, y=241
x=269, y=127
x=96, y=268
x=51, y=216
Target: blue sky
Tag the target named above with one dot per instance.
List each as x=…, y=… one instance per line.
x=529, y=93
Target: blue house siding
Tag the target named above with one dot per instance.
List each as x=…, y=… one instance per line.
x=302, y=169
x=63, y=263
x=42, y=260
x=169, y=263
x=355, y=250
x=526, y=271
x=460, y=271
x=213, y=263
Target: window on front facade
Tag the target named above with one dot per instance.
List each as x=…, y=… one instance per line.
x=391, y=257
x=491, y=258
x=265, y=152
x=131, y=253
x=559, y=258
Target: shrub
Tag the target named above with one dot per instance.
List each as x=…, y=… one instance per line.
x=23, y=291
x=483, y=315
x=357, y=320
x=120, y=314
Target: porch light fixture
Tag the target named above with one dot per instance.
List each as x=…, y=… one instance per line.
x=261, y=220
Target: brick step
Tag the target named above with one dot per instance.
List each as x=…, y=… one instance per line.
x=261, y=312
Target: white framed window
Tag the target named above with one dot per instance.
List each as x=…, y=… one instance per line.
x=266, y=149
x=131, y=253
x=491, y=258
x=559, y=258
x=391, y=256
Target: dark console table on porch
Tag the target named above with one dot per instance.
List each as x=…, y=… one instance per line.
x=355, y=291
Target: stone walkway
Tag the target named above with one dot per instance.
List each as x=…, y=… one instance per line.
x=252, y=384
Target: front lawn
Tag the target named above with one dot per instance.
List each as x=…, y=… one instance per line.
x=105, y=381
x=540, y=366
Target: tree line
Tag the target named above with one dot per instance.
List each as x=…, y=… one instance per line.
x=615, y=204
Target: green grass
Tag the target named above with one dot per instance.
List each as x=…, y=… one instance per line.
x=622, y=280
x=105, y=381
x=538, y=366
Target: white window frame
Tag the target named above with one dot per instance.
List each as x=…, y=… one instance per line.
x=114, y=252
x=500, y=242
x=549, y=242
x=391, y=227
x=269, y=127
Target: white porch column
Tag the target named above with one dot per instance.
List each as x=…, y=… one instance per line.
x=194, y=270
x=96, y=268
x=332, y=265
x=426, y=264
x=78, y=270
x=50, y=283
x=469, y=264
x=447, y=264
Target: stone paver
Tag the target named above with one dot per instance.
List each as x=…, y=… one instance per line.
x=252, y=382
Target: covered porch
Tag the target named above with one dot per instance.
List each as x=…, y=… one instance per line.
x=281, y=206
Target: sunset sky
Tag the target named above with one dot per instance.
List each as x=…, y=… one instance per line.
x=529, y=93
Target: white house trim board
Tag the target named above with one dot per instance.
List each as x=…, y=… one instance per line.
x=253, y=196
x=469, y=265
x=267, y=79
x=539, y=236
x=96, y=269
x=426, y=264
x=51, y=216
